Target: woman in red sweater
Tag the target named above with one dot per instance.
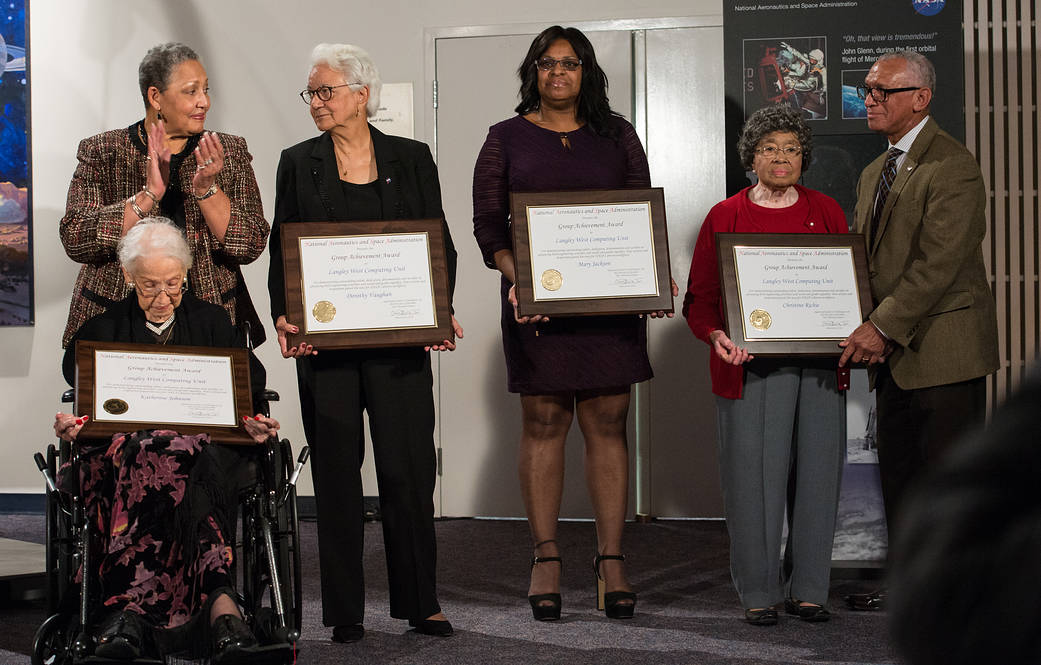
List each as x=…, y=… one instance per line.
x=778, y=418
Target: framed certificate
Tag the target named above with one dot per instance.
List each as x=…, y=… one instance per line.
x=367, y=284
x=793, y=293
x=591, y=252
x=127, y=387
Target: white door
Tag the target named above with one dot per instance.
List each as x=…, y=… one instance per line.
x=477, y=87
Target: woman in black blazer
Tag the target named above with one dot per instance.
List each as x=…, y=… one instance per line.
x=352, y=171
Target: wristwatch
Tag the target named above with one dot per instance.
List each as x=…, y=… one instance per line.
x=209, y=192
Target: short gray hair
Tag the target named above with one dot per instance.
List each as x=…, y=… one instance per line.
x=768, y=120
x=919, y=66
x=158, y=64
x=355, y=65
x=153, y=236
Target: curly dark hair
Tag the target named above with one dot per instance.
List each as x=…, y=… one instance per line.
x=158, y=64
x=593, y=107
x=768, y=120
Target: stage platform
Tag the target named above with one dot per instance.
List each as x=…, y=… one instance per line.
x=22, y=570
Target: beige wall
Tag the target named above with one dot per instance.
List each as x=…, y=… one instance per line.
x=84, y=58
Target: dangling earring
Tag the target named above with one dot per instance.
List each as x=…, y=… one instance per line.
x=131, y=286
x=357, y=113
x=159, y=113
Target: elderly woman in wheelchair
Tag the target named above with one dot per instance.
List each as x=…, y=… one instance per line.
x=161, y=502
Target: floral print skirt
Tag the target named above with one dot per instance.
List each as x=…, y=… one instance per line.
x=160, y=531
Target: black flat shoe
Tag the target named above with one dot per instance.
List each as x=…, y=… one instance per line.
x=435, y=627
x=867, y=602
x=766, y=616
x=121, y=638
x=615, y=604
x=545, y=606
x=811, y=613
x=232, y=640
x=348, y=634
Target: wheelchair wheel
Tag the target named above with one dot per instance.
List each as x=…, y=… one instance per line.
x=52, y=644
x=258, y=588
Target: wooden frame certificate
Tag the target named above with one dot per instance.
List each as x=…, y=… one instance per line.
x=591, y=252
x=127, y=387
x=367, y=284
x=793, y=293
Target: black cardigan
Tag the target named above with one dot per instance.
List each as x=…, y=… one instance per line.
x=307, y=189
x=197, y=323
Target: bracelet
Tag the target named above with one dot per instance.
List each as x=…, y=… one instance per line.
x=149, y=194
x=209, y=192
x=141, y=214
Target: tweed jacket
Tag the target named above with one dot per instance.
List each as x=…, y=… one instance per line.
x=112, y=168
x=926, y=268
x=307, y=189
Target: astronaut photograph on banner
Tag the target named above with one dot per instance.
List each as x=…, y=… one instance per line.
x=789, y=71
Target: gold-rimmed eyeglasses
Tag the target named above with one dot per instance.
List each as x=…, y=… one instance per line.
x=771, y=151
x=323, y=92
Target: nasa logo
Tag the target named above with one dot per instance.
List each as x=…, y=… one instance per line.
x=928, y=7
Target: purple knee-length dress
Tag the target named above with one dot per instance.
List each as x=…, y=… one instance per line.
x=564, y=354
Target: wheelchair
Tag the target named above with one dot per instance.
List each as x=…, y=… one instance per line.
x=266, y=568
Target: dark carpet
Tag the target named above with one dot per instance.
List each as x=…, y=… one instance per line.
x=687, y=613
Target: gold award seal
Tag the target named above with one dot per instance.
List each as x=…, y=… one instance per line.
x=760, y=319
x=115, y=406
x=552, y=279
x=324, y=311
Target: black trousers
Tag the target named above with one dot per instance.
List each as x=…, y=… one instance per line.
x=394, y=386
x=915, y=429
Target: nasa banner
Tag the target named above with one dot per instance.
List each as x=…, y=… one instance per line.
x=811, y=56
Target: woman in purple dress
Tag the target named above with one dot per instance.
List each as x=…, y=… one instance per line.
x=565, y=137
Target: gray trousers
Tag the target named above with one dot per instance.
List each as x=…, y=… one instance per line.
x=783, y=443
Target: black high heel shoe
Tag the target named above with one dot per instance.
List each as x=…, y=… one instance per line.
x=613, y=603
x=545, y=606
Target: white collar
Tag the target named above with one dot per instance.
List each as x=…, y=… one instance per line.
x=904, y=144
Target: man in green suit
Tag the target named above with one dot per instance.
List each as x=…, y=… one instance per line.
x=932, y=337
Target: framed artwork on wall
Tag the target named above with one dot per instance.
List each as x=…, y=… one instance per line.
x=16, y=268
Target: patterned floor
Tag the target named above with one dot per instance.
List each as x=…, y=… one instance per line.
x=688, y=612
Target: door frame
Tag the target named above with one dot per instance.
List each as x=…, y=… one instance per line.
x=638, y=28
x=431, y=35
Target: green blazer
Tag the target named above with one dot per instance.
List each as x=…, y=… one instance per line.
x=928, y=280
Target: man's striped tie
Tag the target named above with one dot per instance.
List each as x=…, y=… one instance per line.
x=884, y=185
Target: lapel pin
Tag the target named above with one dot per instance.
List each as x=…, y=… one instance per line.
x=388, y=180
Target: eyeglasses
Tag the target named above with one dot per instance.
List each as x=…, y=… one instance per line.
x=549, y=64
x=154, y=291
x=322, y=92
x=880, y=95
x=771, y=151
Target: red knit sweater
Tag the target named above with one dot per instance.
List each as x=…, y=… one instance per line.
x=702, y=306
